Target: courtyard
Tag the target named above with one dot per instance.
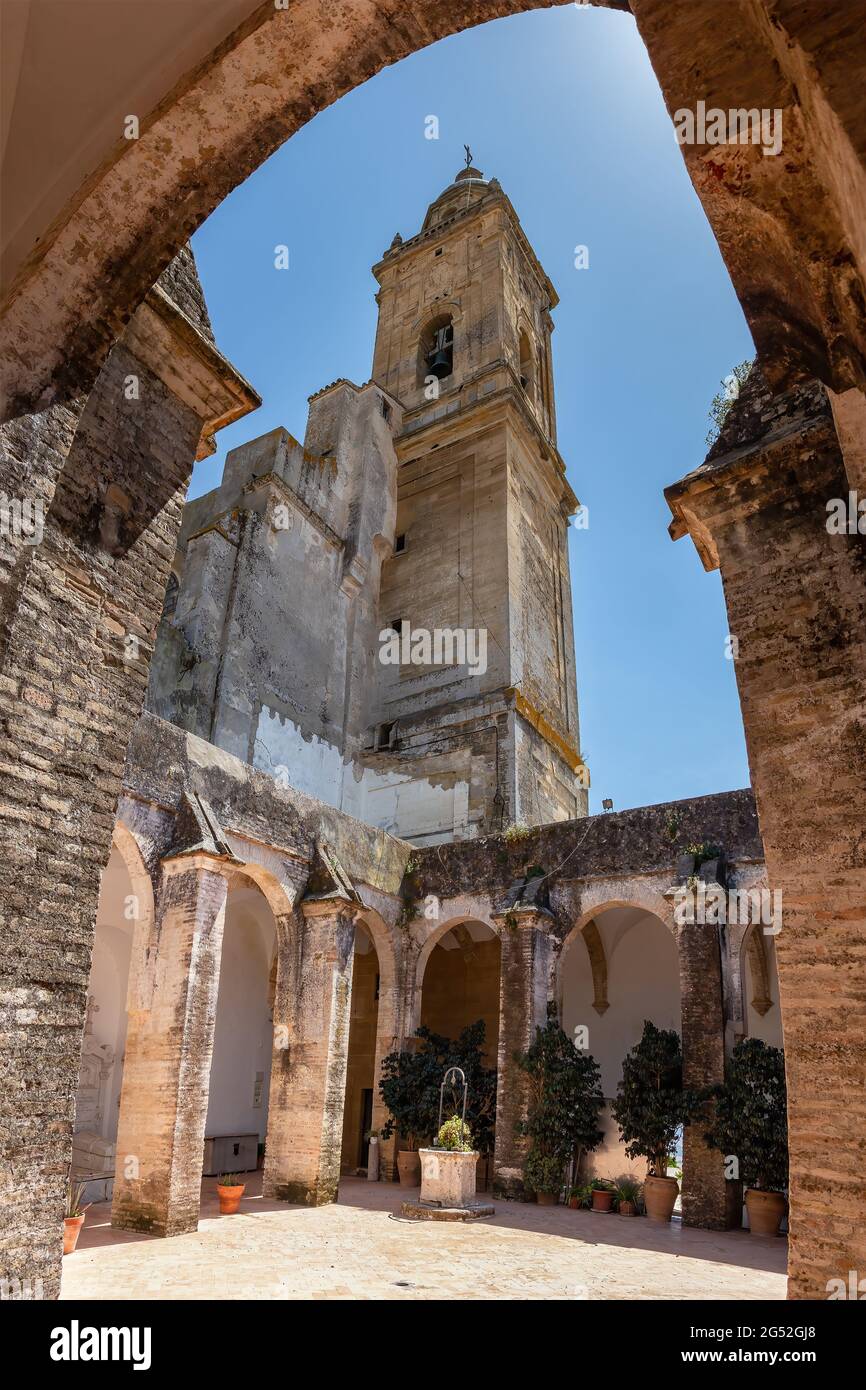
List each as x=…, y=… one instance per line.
x=360, y=1247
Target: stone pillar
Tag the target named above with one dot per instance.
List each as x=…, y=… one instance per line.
x=796, y=596
x=311, y=1042
x=169, y=1046
x=704, y=1195
x=523, y=993
x=92, y=494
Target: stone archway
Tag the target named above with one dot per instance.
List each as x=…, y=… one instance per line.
x=617, y=968
x=789, y=237
x=124, y=921
x=111, y=240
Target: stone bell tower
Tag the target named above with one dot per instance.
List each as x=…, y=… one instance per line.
x=463, y=342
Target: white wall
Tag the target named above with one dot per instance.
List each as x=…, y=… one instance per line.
x=109, y=978
x=411, y=808
x=768, y=1026
x=643, y=983
x=244, y=1029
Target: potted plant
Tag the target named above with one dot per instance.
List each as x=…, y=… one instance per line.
x=627, y=1194
x=580, y=1196
x=750, y=1123
x=563, y=1106
x=650, y=1107
x=602, y=1195
x=409, y=1088
x=74, y=1214
x=230, y=1189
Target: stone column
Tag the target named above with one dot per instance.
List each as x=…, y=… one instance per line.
x=704, y=1190
x=523, y=993
x=96, y=492
x=169, y=1046
x=311, y=1041
x=796, y=596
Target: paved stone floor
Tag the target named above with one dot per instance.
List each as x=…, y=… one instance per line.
x=360, y=1248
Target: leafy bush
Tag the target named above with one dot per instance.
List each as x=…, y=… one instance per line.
x=411, y=1080
x=651, y=1103
x=454, y=1135
x=751, y=1115
x=543, y=1172
x=565, y=1098
x=724, y=399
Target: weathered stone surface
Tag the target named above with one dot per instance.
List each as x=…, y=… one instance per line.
x=163, y=1103
x=80, y=613
x=796, y=596
x=447, y=1178
x=789, y=227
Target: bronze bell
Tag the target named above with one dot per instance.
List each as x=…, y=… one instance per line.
x=441, y=360
x=439, y=363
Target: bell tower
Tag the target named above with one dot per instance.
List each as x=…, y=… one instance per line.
x=464, y=343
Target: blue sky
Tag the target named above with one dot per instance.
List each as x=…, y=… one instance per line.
x=563, y=108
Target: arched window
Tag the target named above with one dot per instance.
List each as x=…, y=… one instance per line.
x=436, y=350
x=527, y=365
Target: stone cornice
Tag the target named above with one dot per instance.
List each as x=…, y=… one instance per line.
x=167, y=342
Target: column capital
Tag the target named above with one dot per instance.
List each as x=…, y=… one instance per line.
x=524, y=915
x=180, y=861
x=330, y=905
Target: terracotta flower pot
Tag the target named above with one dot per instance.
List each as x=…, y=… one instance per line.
x=546, y=1199
x=409, y=1167
x=230, y=1199
x=71, y=1231
x=659, y=1196
x=766, y=1210
x=573, y=1203
x=601, y=1200
x=627, y=1209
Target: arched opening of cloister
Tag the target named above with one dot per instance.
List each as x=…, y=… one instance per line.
x=361, y=1059
x=123, y=917
x=619, y=969
x=459, y=981
x=237, y=1111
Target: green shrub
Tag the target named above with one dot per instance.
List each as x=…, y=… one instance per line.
x=628, y=1190
x=454, y=1135
x=543, y=1172
x=411, y=1080
x=751, y=1115
x=651, y=1103
x=564, y=1102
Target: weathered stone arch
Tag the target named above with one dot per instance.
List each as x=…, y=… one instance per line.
x=125, y=841
x=90, y=269
x=441, y=929
x=594, y=900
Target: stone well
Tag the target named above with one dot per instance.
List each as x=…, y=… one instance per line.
x=447, y=1188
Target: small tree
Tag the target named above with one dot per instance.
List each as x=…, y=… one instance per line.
x=565, y=1098
x=724, y=399
x=651, y=1104
x=751, y=1115
x=411, y=1080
